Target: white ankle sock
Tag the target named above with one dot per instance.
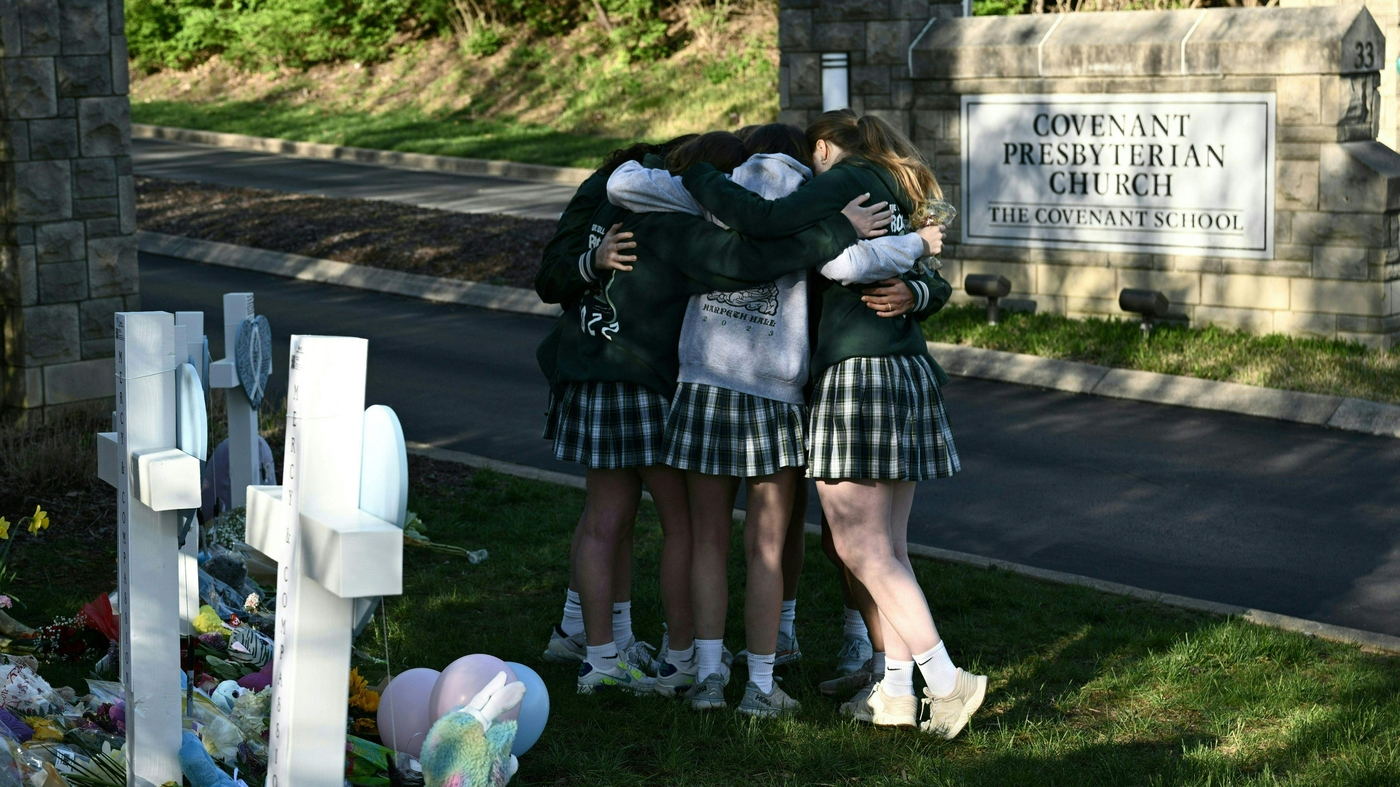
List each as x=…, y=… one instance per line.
x=788, y=617
x=938, y=670
x=855, y=624
x=680, y=658
x=761, y=671
x=622, y=624
x=573, y=615
x=707, y=657
x=603, y=657
x=899, y=678
x=877, y=664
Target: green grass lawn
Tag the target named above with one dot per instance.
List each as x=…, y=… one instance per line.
x=404, y=129
x=1087, y=689
x=1325, y=366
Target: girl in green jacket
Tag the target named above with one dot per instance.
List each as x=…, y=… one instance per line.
x=878, y=423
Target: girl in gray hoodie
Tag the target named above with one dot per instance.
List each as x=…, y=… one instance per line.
x=740, y=413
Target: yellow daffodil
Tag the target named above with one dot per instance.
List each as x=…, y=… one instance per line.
x=4, y=528
x=40, y=521
x=362, y=697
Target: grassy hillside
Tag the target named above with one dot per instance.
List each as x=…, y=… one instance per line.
x=562, y=99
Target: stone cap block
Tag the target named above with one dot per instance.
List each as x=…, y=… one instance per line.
x=1359, y=177
x=1216, y=41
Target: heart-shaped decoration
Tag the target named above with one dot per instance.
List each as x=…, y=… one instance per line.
x=252, y=354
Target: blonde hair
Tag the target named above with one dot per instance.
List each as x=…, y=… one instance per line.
x=875, y=140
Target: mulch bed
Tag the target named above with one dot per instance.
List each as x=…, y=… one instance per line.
x=484, y=247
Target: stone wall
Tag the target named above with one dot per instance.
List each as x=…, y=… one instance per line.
x=1335, y=270
x=875, y=34
x=67, y=199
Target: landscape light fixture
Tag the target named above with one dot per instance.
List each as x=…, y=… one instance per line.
x=1151, y=304
x=990, y=286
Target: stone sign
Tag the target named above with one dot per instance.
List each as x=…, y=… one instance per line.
x=1184, y=173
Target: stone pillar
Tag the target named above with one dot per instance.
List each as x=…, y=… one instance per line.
x=875, y=35
x=67, y=199
x=1387, y=16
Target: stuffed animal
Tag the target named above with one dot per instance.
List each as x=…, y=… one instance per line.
x=468, y=747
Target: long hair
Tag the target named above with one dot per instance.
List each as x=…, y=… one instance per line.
x=779, y=138
x=876, y=141
x=638, y=151
x=720, y=149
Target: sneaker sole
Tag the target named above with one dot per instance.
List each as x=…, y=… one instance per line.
x=787, y=658
x=708, y=705
x=970, y=708
x=555, y=657
x=594, y=688
x=883, y=720
x=765, y=713
x=672, y=691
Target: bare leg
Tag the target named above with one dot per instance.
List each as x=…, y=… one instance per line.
x=613, y=496
x=622, y=565
x=861, y=512
x=795, y=544
x=853, y=593
x=765, y=530
x=902, y=504
x=668, y=491
x=711, y=522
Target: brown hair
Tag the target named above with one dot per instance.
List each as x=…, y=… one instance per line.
x=743, y=133
x=876, y=141
x=638, y=151
x=721, y=149
x=780, y=138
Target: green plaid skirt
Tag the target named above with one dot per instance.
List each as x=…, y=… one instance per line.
x=607, y=426
x=722, y=432
x=881, y=418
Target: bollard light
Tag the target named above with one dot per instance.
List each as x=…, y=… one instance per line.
x=989, y=286
x=1151, y=304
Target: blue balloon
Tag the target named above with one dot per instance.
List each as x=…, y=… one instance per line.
x=534, y=709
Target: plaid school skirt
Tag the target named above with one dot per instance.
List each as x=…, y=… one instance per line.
x=881, y=418
x=607, y=426
x=722, y=432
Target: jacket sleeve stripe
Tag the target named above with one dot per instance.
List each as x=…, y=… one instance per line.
x=585, y=266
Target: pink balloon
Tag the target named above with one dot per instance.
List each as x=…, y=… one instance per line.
x=404, y=717
x=462, y=679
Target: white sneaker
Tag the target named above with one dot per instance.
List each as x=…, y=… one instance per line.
x=843, y=684
x=622, y=675
x=674, y=681
x=948, y=715
x=565, y=649
x=787, y=651
x=639, y=654
x=858, y=707
x=767, y=706
x=708, y=694
x=873, y=706
x=855, y=651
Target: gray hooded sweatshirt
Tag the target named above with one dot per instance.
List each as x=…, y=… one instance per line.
x=755, y=341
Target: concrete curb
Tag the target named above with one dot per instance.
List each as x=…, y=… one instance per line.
x=541, y=173
x=363, y=277
x=1367, y=640
x=1347, y=414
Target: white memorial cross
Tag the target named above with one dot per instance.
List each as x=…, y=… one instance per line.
x=244, y=461
x=329, y=552
x=154, y=480
x=190, y=348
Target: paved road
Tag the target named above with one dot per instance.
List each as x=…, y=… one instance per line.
x=1288, y=518
x=442, y=190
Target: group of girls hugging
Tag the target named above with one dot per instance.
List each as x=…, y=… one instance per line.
x=744, y=308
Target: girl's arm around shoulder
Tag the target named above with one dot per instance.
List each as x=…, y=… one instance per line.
x=713, y=258
x=643, y=190
x=875, y=260
x=931, y=291
x=566, y=270
x=751, y=214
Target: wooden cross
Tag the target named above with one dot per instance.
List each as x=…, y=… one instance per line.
x=154, y=480
x=189, y=348
x=244, y=460
x=328, y=551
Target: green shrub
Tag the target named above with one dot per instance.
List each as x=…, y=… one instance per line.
x=267, y=33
